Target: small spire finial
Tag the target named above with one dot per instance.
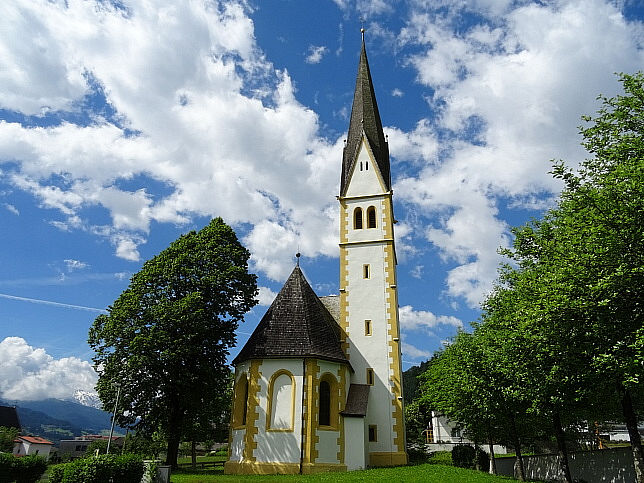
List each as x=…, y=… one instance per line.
x=297, y=255
x=362, y=29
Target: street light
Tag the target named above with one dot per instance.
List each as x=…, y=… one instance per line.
x=118, y=393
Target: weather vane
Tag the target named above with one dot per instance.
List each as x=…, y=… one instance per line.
x=362, y=29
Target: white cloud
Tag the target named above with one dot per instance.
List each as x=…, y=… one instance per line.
x=72, y=265
x=413, y=352
x=316, y=53
x=397, y=92
x=510, y=92
x=184, y=117
x=417, y=271
x=411, y=319
x=266, y=296
x=28, y=373
x=12, y=209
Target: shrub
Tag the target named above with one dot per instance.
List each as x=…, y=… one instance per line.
x=56, y=473
x=483, y=459
x=417, y=455
x=223, y=451
x=27, y=469
x=30, y=468
x=441, y=458
x=463, y=456
x=127, y=468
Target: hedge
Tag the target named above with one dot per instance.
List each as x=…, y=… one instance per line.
x=27, y=469
x=127, y=468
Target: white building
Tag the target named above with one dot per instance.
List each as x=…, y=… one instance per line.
x=318, y=385
x=32, y=445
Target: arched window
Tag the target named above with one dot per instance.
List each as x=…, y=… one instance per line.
x=371, y=217
x=281, y=394
x=325, y=404
x=240, y=408
x=357, y=219
x=328, y=404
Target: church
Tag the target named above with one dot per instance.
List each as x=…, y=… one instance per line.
x=318, y=385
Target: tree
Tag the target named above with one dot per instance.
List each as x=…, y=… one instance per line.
x=602, y=205
x=7, y=435
x=581, y=275
x=165, y=340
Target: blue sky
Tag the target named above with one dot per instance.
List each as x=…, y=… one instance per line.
x=124, y=124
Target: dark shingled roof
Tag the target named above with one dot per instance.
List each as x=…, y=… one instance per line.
x=365, y=116
x=9, y=417
x=296, y=325
x=357, y=401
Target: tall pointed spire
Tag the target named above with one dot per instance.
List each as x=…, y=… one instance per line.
x=365, y=119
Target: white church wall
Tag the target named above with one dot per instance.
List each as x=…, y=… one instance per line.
x=354, y=447
x=237, y=444
x=365, y=181
x=367, y=301
x=279, y=445
x=327, y=446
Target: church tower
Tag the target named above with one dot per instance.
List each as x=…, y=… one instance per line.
x=368, y=293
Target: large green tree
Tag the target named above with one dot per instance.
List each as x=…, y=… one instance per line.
x=580, y=283
x=165, y=340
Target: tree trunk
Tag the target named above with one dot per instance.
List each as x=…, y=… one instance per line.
x=636, y=441
x=194, y=455
x=490, y=443
x=560, y=436
x=175, y=421
x=517, y=446
x=477, y=466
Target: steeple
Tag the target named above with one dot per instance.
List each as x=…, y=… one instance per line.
x=365, y=120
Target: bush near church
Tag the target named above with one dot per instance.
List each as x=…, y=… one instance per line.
x=466, y=456
x=27, y=469
x=105, y=468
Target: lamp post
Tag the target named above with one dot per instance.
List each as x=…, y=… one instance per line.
x=118, y=394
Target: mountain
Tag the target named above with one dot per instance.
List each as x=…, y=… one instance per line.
x=55, y=419
x=87, y=398
x=410, y=381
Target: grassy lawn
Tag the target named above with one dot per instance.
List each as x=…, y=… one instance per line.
x=429, y=473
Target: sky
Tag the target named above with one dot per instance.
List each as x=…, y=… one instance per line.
x=125, y=123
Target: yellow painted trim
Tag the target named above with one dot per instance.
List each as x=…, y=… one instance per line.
x=365, y=242
x=312, y=468
x=251, y=418
x=269, y=412
x=311, y=414
x=255, y=468
x=342, y=397
x=387, y=194
x=388, y=459
x=395, y=367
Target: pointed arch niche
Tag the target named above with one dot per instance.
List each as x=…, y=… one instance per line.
x=281, y=402
x=240, y=407
x=328, y=403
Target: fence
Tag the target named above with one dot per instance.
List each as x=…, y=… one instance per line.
x=613, y=465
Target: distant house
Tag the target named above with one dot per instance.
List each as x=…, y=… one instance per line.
x=9, y=417
x=32, y=445
x=76, y=447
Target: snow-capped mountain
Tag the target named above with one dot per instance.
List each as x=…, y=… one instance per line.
x=87, y=398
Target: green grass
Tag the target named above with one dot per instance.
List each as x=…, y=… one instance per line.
x=427, y=473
